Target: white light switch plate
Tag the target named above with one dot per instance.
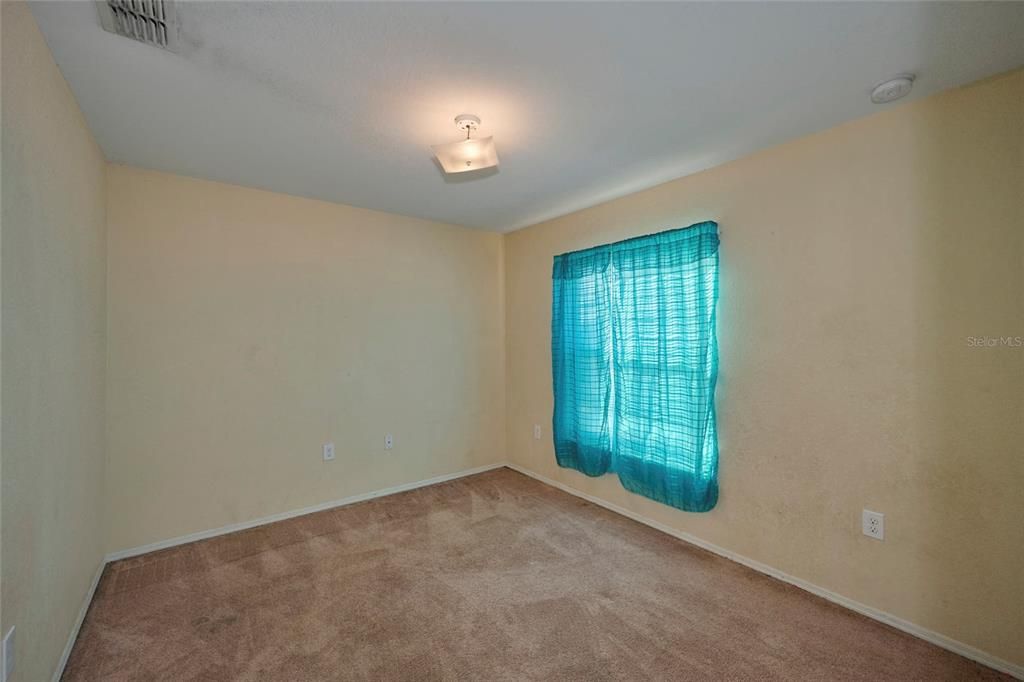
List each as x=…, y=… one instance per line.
x=389, y=442
x=536, y=431
x=328, y=452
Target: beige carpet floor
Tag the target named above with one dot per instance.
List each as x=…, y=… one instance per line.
x=491, y=577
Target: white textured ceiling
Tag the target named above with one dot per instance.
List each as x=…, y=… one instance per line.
x=586, y=101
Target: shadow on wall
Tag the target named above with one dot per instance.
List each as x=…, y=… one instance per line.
x=968, y=297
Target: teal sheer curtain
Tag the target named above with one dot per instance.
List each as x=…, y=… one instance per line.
x=635, y=362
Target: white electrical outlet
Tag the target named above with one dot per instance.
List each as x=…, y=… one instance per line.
x=7, y=669
x=536, y=431
x=328, y=452
x=389, y=442
x=873, y=524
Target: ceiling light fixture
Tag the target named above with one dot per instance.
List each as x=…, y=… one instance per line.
x=467, y=155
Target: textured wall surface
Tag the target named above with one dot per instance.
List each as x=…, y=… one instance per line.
x=54, y=326
x=247, y=328
x=856, y=265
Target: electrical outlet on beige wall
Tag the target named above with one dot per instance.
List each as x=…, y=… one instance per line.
x=873, y=524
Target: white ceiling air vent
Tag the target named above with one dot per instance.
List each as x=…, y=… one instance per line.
x=148, y=21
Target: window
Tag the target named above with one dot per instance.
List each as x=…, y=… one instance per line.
x=634, y=363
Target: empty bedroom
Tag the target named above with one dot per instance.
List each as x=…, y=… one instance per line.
x=511, y=341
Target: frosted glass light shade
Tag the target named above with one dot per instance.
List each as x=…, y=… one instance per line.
x=466, y=155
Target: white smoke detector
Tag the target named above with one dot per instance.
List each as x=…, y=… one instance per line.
x=152, y=22
x=892, y=89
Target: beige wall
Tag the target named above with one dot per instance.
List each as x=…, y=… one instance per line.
x=54, y=255
x=247, y=328
x=855, y=265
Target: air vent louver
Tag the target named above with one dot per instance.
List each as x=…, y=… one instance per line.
x=147, y=21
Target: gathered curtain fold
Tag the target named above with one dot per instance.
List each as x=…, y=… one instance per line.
x=635, y=362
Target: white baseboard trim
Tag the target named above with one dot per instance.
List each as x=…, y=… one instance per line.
x=62, y=663
x=947, y=643
x=262, y=521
